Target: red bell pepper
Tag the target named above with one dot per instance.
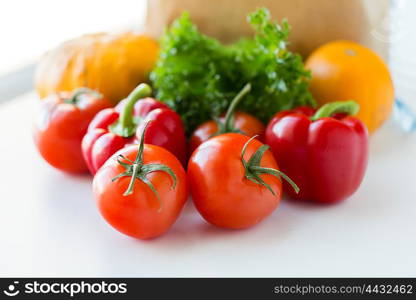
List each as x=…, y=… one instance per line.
x=324, y=152
x=114, y=128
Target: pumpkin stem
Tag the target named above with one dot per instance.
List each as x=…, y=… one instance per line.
x=125, y=126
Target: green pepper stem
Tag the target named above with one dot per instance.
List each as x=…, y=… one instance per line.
x=125, y=126
x=347, y=107
x=126, y=116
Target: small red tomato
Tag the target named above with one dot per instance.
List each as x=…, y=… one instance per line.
x=141, y=190
x=239, y=122
x=233, y=181
x=60, y=125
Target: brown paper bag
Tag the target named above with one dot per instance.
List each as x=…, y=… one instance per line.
x=313, y=22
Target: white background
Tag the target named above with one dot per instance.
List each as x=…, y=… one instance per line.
x=49, y=225
x=29, y=28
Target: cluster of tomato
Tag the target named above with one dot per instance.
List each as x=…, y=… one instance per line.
x=137, y=152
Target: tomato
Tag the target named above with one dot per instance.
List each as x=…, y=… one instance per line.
x=60, y=125
x=141, y=190
x=233, y=181
x=243, y=122
x=240, y=122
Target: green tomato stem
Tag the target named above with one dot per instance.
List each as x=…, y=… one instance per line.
x=137, y=169
x=347, y=107
x=81, y=91
x=137, y=164
x=253, y=170
x=228, y=126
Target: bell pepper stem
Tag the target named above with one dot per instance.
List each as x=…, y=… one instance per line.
x=125, y=126
x=347, y=107
x=126, y=116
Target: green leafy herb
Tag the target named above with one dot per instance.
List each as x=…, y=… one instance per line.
x=198, y=76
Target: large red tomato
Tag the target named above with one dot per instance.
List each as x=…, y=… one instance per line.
x=141, y=190
x=234, y=180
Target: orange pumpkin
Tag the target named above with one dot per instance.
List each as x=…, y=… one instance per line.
x=344, y=70
x=111, y=64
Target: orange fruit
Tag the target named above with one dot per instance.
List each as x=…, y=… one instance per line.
x=344, y=70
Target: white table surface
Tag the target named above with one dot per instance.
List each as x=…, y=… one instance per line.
x=49, y=225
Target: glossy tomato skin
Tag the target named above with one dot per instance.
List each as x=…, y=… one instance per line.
x=60, y=126
x=221, y=193
x=245, y=122
x=327, y=158
x=140, y=214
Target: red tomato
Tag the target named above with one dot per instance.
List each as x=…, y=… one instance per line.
x=231, y=187
x=146, y=206
x=60, y=125
x=243, y=122
x=240, y=122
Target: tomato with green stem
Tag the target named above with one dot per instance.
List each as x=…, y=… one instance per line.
x=239, y=122
x=141, y=190
x=61, y=123
x=235, y=181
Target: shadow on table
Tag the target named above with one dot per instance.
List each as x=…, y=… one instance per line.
x=192, y=230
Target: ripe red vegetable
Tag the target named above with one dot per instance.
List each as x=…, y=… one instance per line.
x=60, y=125
x=114, y=128
x=239, y=122
x=141, y=190
x=326, y=156
x=233, y=181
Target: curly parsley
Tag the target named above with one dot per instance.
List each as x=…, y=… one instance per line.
x=198, y=76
